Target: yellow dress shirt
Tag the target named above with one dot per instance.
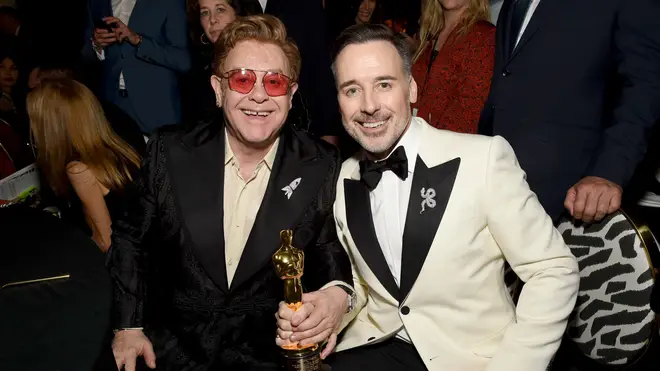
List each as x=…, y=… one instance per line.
x=242, y=199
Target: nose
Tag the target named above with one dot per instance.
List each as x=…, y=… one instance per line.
x=369, y=103
x=258, y=93
x=214, y=19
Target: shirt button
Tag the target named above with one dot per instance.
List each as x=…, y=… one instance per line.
x=405, y=310
x=230, y=262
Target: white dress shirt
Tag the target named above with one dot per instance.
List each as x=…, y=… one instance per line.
x=263, y=4
x=528, y=17
x=389, y=206
x=121, y=9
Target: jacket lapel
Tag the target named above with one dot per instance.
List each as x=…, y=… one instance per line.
x=543, y=13
x=197, y=176
x=142, y=8
x=282, y=208
x=503, y=30
x=429, y=195
x=361, y=225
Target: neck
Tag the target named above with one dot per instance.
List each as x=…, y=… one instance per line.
x=248, y=157
x=6, y=89
x=453, y=17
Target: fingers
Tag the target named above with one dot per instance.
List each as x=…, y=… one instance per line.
x=310, y=333
x=570, y=200
x=282, y=338
x=103, y=37
x=580, y=202
x=615, y=201
x=330, y=346
x=149, y=355
x=302, y=314
x=602, y=208
x=130, y=360
x=283, y=334
x=591, y=205
x=119, y=360
x=284, y=325
x=112, y=20
x=312, y=321
x=284, y=312
x=317, y=339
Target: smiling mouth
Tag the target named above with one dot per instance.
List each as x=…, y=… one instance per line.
x=372, y=124
x=256, y=113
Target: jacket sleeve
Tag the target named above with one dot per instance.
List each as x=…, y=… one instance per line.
x=327, y=263
x=173, y=53
x=126, y=259
x=537, y=253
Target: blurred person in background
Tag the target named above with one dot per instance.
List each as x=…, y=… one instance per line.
x=82, y=159
x=576, y=92
x=454, y=63
x=8, y=80
x=206, y=19
x=142, y=47
x=122, y=124
x=315, y=106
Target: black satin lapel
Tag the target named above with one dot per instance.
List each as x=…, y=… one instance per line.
x=421, y=226
x=277, y=211
x=361, y=225
x=197, y=176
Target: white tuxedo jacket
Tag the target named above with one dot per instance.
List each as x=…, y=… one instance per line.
x=452, y=299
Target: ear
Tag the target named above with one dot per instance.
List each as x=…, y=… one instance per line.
x=412, y=90
x=292, y=91
x=216, y=83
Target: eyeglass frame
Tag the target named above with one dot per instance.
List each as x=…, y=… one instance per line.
x=225, y=75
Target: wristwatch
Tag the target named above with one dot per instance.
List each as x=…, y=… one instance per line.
x=352, y=298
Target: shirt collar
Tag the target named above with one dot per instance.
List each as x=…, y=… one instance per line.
x=269, y=159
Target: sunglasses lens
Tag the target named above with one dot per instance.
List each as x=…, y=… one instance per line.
x=242, y=81
x=276, y=84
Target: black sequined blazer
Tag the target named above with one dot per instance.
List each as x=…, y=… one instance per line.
x=167, y=258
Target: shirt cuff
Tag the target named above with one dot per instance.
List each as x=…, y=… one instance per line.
x=337, y=283
x=126, y=329
x=100, y=53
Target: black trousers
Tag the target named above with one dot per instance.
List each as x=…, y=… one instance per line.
x=391, y=355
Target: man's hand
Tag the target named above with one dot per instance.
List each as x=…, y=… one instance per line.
x=315, y=321
x=130, y=344
x=122, y=32
x=592, y=198
x=102, y=38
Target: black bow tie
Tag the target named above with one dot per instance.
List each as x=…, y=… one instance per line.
x=372, y=171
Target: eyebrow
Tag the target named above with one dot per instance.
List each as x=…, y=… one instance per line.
x=377, y=79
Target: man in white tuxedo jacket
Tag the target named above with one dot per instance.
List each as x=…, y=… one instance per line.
x=429, y=218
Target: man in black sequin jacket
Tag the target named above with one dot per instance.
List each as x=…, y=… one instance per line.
x=195, y=288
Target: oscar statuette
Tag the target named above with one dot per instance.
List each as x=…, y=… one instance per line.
x=289, y=264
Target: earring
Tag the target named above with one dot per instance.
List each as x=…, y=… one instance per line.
x=205, y=40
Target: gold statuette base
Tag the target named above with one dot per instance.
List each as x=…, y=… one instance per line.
x=302, y=360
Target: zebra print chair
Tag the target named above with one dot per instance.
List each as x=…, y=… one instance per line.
x=613, y=322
